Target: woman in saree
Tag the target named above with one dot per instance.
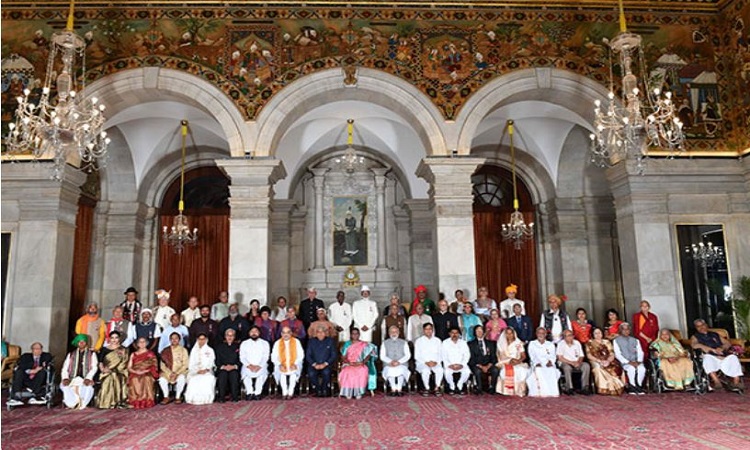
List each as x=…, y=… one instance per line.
x=608, y=375
x=142, y=371
x=357, y=373
x=113, y=374
x=494, y=327
x=510, y=361
x=676, y=366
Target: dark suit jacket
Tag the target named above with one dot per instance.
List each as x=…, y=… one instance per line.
x=477, y=357
x=525, y=330
x=26, y=362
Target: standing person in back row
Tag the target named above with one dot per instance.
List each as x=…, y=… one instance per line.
x=308, y=308
x=220, y=309
x=365, y=314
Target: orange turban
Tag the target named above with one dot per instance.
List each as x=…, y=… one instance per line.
x=512, y=288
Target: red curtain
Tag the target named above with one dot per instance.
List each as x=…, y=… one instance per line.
x=81, y=258
x=499, y=264
x=201, y=270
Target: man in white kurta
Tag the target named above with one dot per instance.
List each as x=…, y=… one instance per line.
x=716, y=358
x=365, y=314
x=543, y=373
x=428, y=351
x=78, y=372
x=395, y=355
x=287, y=357
x=506, y=306
x=201, y=382
x=630, y=354
x=455, y=355
x=415, y=327
x=340, y=313
x=163, y=312
x=254, y=354
x=191, y=313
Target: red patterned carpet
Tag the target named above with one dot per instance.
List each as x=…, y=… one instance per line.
x=668, y=421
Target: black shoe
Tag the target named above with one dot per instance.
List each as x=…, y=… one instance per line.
x=425, y=393
x=567, y=391
x=451, y=392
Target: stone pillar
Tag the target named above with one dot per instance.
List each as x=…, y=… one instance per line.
x=318, y=184
x=40, y=214
x=380, y=193
x=453, y=239
x=644, y=236
x=250, y=194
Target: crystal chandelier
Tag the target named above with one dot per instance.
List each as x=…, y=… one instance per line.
x=706, y=254
x=63, y=126
x=620, y=128
x=350, y=161
x=516, y=229
x=179, y=235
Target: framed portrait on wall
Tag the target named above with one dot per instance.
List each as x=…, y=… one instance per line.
x=349, y=219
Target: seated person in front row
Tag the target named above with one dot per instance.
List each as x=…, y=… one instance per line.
x=428, y=359
x=31, y=373
x=510, y=361
x=629, y=352
x=113, y=374
x=483, y=360
x=357, y=373
x=287, y=357
x=228, y=366
x=543, y=376
x=143, y=369
x=320, y=356
x=456, y=357
x=254, y=355
x=201, y=382
x=570, y=356
x=395, y=355
x=174, y=368
x=674, y=361
x=78, y=373
x=716, y=357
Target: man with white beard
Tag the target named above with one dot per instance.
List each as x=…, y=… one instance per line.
x=365, y=314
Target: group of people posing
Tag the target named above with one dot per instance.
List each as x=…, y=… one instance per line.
x=207, y=352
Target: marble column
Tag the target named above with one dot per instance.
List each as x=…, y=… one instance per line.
x=251, y=191
x=644, y=236
x=318, y=185
x=453, y=237
x=380, y=193
x=41, y=215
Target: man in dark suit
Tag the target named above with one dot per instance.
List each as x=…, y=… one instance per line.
x=482, y=361
x=31, y=372
x=308, y=308
x=522, y=324
x=443, y=320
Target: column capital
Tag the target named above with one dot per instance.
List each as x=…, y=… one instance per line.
x=252, y=172
x=438, y=170
x=38, y=196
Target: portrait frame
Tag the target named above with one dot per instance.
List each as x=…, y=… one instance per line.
x=349, y=230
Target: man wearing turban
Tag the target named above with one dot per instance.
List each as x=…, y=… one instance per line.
x=506, y=306
x=78, y=373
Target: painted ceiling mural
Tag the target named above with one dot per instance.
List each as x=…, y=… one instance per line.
x=251, y=54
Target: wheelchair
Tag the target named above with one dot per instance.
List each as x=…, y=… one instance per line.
x=697, y=356
x=50, y=389
x=658, y=385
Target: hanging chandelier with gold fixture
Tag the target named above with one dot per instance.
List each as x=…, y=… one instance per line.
x=642, y=116
x=61, y=125
x=516, y=230
x=179, y=235
x=350, y=161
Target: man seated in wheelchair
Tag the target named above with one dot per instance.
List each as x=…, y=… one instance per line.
x=673, y=361
x=30, y=377
x=716, y=356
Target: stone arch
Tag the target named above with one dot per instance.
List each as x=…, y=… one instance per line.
x=373, y=86
x=127, y=88
x=573, y=91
